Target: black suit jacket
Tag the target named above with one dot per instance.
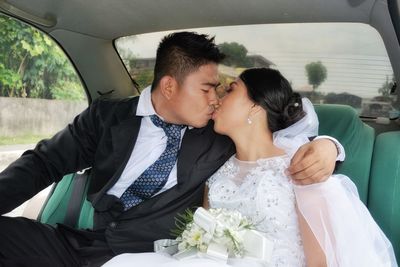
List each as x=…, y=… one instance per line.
x=103, y=137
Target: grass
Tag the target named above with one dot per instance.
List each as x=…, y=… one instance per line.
x=21, y=139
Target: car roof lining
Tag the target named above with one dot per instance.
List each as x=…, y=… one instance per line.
x=97, y=19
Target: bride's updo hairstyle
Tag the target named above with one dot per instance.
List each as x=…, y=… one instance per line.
x=270, y=90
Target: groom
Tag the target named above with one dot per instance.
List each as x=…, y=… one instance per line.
x=150, y=157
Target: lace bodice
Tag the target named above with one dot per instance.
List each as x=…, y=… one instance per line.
x=261, y=191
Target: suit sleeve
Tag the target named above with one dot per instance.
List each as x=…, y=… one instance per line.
x=68, y=151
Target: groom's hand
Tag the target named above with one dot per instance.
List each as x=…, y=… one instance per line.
x=314, y=162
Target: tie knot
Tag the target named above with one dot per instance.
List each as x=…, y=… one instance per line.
x=171, y=130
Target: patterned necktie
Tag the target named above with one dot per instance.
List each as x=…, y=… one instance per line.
x=154, y=177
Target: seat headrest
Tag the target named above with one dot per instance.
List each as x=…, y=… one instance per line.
x=357, y=138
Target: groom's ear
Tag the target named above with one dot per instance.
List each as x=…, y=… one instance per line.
x=168, y=86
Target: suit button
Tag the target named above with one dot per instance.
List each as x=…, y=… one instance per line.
x=113, y=224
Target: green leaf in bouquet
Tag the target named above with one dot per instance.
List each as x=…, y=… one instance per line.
x=181, y=221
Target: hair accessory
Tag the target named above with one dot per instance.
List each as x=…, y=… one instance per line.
x=296, y=104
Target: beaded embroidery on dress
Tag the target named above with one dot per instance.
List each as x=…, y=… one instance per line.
x=261, y=191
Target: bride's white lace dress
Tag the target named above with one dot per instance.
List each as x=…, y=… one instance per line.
x=259, y=190
x=262, y=192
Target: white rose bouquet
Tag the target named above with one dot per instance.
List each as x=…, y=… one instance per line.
x=219, y=231
x=220, y=234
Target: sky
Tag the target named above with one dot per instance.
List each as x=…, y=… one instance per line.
x=353, y=53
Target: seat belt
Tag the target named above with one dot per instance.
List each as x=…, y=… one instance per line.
x=77, y=197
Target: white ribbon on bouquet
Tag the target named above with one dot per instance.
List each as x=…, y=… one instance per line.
x=256, y=245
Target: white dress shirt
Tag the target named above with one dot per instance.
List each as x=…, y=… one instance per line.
x=340, y=149
x=150, y=144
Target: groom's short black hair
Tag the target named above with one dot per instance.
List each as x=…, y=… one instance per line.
x=181, y=53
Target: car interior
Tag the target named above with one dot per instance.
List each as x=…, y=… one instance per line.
x=87, y=32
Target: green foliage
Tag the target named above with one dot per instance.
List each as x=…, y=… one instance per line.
x=181, y=221
x=316, y=73
x=32, y=65
x=236, y=55
x=68, y=90
x=143, y=78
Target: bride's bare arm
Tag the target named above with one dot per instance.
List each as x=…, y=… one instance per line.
x=205, y=198
x=315, y=256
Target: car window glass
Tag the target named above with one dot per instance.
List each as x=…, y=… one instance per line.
x=40, y=93
x=336, y=63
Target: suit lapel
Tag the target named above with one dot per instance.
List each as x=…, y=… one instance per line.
x=124, y=137
x=193, y=144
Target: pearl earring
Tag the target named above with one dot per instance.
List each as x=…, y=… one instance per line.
x=249, y=121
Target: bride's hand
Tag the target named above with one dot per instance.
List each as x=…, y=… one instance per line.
x=314, y=162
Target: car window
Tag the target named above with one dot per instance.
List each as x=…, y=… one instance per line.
x=40, y=93
x=334, y=63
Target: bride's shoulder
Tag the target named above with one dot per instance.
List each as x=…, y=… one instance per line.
x=226, y=170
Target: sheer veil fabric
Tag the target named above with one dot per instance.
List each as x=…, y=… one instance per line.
x=341, y=223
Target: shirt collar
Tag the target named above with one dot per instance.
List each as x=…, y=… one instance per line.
x=145, y=106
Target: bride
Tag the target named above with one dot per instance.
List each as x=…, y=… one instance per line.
x=322, y=224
